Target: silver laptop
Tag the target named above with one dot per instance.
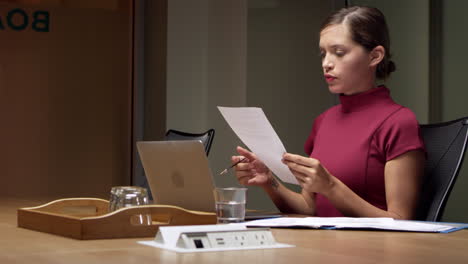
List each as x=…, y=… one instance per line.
x=178, y=173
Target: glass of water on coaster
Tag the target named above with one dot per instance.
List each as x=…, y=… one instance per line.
x=230, y=204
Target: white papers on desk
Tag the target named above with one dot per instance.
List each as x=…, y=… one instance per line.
x=253, y=128
x=357, y=223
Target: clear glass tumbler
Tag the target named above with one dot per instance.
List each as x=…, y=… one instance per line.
x=230, y=204
x=127, y=196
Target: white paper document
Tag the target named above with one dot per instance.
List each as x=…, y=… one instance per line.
x=354, y=223
x=252, y=127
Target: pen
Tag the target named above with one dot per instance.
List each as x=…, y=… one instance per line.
x=226, y=169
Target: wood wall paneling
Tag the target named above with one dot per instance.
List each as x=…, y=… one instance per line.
x=64, y=101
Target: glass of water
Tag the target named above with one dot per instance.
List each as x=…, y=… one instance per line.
x=230, y=204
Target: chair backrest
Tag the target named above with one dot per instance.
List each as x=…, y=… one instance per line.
x=445, y=144
x=206, y=137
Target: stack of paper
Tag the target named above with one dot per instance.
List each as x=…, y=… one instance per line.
x=357, y=223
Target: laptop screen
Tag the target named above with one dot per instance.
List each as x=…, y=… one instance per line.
x=178, y=173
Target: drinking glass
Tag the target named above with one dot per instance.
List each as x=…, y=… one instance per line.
x=127, y=196
x=230, y=204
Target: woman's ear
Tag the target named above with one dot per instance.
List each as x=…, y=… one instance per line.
x=377, y=55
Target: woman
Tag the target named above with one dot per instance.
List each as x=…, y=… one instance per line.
x=366, y=156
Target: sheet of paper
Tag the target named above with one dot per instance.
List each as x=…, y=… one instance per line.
x=253, y=128
x=351, y=222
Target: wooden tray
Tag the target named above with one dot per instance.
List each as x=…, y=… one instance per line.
x=88, y=218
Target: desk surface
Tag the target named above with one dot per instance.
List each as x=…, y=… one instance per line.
x=18, y=245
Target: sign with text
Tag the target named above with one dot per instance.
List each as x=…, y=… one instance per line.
x=65, y=97
x=19, y=19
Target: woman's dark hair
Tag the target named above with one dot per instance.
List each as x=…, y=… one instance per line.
x=369, y=29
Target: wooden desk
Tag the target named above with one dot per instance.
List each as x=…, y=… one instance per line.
x=19, y=245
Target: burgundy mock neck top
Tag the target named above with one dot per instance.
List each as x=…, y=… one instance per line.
x=355, y=139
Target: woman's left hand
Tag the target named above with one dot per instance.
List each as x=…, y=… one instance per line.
x=309, y=172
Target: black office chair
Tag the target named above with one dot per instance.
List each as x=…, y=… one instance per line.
x=206, y=137
x=445, y=144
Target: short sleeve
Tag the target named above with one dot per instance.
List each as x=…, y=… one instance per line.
x=398, y=134
x=309, y=144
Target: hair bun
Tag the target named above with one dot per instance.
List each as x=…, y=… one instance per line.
x=391, y=67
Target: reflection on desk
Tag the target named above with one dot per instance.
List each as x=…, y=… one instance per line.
x=19, y=245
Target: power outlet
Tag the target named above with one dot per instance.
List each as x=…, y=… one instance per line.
x=256, y=237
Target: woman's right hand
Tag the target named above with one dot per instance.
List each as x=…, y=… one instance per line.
x=251, y=171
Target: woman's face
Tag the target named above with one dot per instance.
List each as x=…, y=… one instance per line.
x=346, y=65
